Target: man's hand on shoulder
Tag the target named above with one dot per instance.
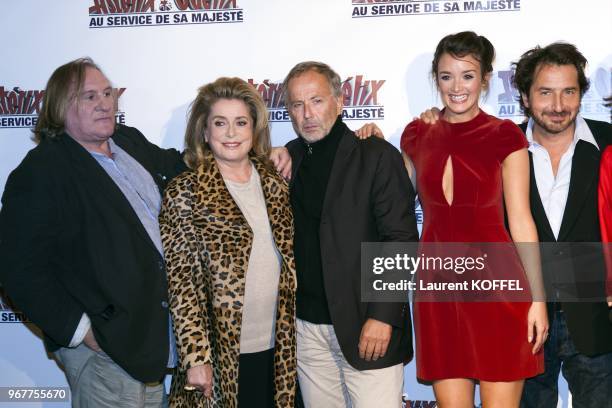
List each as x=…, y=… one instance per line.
x=430, y=116
x=282, y=161
x=368, y=130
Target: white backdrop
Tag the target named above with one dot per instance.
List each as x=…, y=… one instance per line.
x=159, y=51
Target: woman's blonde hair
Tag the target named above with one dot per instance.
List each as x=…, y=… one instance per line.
x=196, y=146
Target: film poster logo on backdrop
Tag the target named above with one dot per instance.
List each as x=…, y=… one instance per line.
x=388, y=8
x=361, y=98
x=19, y=108
x=142, y=13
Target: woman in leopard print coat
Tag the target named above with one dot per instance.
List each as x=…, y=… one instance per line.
x=207, y=244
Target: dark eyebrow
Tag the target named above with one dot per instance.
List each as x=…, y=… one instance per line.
x=546, y=88
x=463, y=72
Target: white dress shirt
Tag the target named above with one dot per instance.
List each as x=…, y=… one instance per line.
x=553, y=190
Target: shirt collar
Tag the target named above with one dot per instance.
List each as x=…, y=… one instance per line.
x=111, y=146
x=582, y=132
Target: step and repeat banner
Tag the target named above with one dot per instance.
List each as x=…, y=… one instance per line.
x=158, y=52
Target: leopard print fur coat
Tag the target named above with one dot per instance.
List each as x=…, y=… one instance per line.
x=207, y=242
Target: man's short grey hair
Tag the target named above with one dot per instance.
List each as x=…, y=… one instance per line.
x=332, y=76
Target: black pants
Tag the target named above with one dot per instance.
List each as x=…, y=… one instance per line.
x=256, y=380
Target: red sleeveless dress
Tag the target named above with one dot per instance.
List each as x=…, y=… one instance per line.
x=479, y=340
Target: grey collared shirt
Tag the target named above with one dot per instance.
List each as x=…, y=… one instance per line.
x=137, y=186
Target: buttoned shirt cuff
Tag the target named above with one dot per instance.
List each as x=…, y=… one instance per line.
x=81, y=331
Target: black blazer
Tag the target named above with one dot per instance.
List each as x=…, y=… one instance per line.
x=369, y=198
x=588, y=323
x=71, y=243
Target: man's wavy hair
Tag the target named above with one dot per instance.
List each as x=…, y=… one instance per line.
x=63, y=86
x=558, y=53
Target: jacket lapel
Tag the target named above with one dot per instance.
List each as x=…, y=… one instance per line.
x=101, y=186
x=342, y=159
x=537, y=209
x=296, y=161
x=213, y=197
x=585, y=167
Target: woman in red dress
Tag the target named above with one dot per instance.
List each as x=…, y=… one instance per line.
x=605, y=214
x=467, y=165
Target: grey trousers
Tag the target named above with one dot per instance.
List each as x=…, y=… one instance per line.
x=96, y=381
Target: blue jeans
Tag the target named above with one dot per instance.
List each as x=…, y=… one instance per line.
x=589, y=378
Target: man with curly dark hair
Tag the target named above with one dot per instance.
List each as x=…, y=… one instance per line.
x=565, y=150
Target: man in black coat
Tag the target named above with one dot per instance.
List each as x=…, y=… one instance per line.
x=564, y=155
x=344, y=191
x=80, y=247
